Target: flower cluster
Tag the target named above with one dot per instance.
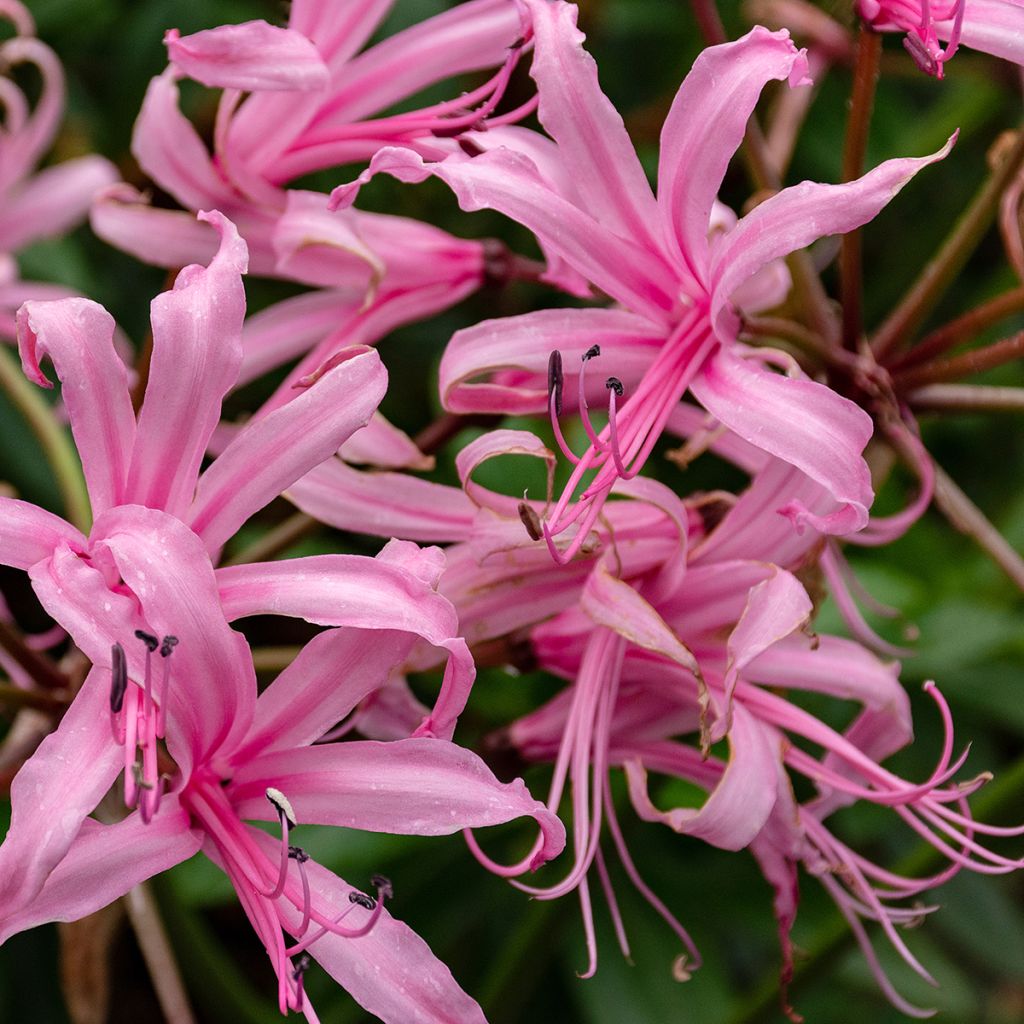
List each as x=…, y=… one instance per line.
x=679, y=623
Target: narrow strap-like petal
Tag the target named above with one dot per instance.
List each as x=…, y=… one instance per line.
x=78, y=337
x=103, y=863
x=251, y=56
x=270, y=455
x=704, y=129
x=56, y=788
x=197, y=351
x=28, y=533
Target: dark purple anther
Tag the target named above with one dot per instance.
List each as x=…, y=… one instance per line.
x=118, y=678
x=555, y=379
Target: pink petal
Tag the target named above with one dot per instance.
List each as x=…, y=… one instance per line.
x=212, y=688
x=491, y=445
x=54, y=201
x=994, y=26
x=383, y=504
x=506, y=181
x=502, y=365
x=799, y=215
x=407, y=787
x=77, y=335
x=28, y=533
x=338, y=30
x=740, y=803
x=197, y=350
x=54, y=791
x=382, y=445
x=250, y=56
x=825, y=441
x=592, y=141
x=391, y=971
x=103, y=863
x=704, y=129
x=275, y=451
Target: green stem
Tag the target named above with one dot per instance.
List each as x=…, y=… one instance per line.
x=967, y=398
x=52, y=438
x=938, y=274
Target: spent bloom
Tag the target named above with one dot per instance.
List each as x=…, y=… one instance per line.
x=586, y=198
x=167, y=665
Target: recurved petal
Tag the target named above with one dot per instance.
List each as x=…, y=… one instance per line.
x=269, y=455
x=509, y=182
x=424, y=787
x=705, y=126
x=56, y=788
x=103, y=863
x=78, y=336
x=197, y=352
x=825, y=441
x=799, y=215
x=253, y=56
x=28, y=533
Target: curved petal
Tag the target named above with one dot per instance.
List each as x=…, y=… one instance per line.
x=740, y=802
x=996, y=27
x=53, y=201
x=512, y=355
x=103, y=863
x=799, y=215
x=705, y=126
x=825, y=440
x=592, y=140
x=78, y=336
x=251, y=56
x=271, y=454
x=383, y=504
x=197, y=350
x=212, y=686
x=423, y=787
x=56, y=788
x=28, y=533
x=507, y=181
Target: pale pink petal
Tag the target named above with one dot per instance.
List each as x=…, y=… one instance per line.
x=103, y=863
x=704, y=129
x=382, y=445
x=197, y=350
x=212, y=685
x=338, y=30
x=741, y=801
x=825, y=441
x=408, y=787
x=799, y=215
x=78, y=335
x=28, y=533
x=502, y=365
x=330, y=675
x=508, y=182
x=996, y=27
x=55, y=789
x=592, y=140
x=53, y=201
x=24, y=147
x=391, y=971
x=492, y=445
x=169, y=150
x=250, y=56
x=271, y=454
x=383, y=504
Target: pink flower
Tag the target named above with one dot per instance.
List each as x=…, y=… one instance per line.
x=166, y=664
x=587, y=200
x=991, y=26
x=54, y=200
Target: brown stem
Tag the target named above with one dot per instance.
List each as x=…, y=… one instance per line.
x=275, y=540
x=158, y=954
x=966, y=517
x=939, y=272
x=41, y=700
x=273, y=659
x=438, y=433
x=145, y=357
x=962, y=328
x=966, y=398
x=862, y=101
x=37, y=665
x=964, y=365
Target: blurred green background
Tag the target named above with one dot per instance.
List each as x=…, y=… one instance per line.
x=519, y=958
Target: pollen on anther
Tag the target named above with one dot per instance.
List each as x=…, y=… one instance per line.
x=592, y=353
x=555, y=379
x=614, y=384
x=297, y=853
x=531, y=521
x=148, y=639
x=283, y=805
x=362, y=899
x=118, y=678
x=168, y=645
